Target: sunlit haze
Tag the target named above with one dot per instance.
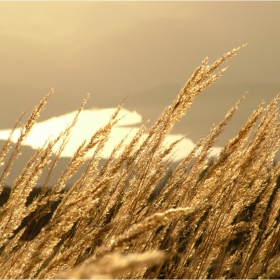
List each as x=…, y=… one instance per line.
x=146, y=50
x=88, y=123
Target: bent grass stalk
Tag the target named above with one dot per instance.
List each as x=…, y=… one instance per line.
x=215, y=218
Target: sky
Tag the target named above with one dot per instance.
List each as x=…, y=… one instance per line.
x=146, y=50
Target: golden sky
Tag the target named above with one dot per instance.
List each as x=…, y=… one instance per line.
x=146, y=49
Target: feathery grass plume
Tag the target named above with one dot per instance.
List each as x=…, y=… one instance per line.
x=118, y=264
x=213, y=218
x=239, y=205
x=4, y=151
x=60, y=224
x=42, y=204
x=185, y=196
x=25, y=130
x=150, y=147
x=143, y=226
x=13, y=212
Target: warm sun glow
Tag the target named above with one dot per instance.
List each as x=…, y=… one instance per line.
x=88, y=123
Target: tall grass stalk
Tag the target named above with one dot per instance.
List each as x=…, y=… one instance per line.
x=212, y=218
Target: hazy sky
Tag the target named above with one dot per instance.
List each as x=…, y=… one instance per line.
x=146, y=49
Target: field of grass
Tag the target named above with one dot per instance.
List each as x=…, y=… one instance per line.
x=213, y=218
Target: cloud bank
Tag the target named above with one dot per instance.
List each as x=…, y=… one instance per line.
x=88, y=123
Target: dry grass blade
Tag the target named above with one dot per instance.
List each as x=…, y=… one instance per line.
x=25, y=130
x=212, y=218
x=118, y=264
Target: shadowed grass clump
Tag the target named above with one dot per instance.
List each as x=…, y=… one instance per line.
x=213, y=218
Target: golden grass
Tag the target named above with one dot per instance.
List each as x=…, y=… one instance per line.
x=211, y=219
